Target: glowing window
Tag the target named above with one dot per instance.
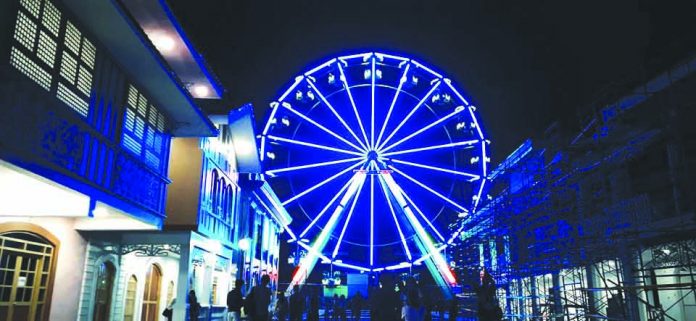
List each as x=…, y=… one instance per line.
x=38, y=40
x=143, y=129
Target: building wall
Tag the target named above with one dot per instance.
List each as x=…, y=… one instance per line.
x=185, y=166
x=70, y=261
x=71, y=129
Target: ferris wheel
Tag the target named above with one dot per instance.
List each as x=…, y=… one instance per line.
x=374, y=155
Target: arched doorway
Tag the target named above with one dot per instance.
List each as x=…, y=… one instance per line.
x=102, y=296
x=151, y=295
x=27, y=264
x=129, y=308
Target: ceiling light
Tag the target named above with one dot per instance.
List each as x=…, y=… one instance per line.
x=163, y=42
x=200, y=91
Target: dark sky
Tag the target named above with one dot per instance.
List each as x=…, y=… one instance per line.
x=524, y=63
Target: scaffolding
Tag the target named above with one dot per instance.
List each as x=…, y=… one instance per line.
x=598, y=228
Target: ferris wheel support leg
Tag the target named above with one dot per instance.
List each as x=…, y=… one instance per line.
x=308, y=262
x=436, y=263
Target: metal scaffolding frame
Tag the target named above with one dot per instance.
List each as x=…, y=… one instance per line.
x=566, y=238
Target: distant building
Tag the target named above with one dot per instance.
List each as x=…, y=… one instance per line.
x=223, y=213
x=92, y=92
x=598, y=223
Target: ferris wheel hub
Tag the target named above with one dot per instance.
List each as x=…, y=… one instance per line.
x=372, y=155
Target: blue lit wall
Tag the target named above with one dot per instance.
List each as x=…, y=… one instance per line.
x=72, y=130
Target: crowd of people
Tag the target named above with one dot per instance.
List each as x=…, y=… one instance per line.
x=403, y=300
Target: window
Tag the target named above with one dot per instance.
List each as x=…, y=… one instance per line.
x=41, y=35
x=129, y=309
x=143, y=129
x=223, y=197
x=102, y=296
x=28, y=257
x=214, y=194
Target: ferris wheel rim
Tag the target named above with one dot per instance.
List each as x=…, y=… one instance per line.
x=387, y=147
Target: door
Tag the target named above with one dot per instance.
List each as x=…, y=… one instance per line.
x=102, y=295
x=151, y=294
x=25, y=272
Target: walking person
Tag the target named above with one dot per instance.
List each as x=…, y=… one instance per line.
x=259, y=300
x=281, y=309
x=356, y=306
x=194, y=306
x=235, y=301
x=169, y=310
x=342, y=306
x=297, y=305
x=413, y=309
x=488, y=309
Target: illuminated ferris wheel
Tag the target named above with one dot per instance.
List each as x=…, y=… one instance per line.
x=374, y=155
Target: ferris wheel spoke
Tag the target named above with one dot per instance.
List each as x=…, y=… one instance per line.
x=456, y=111
x=402, y=80
x=345, y=225
x=344, y=80
x=408, y=116
x=433, y=147
x=326, y=208
x=313, y=122
x=340, y=119
x=472, y=177
x=313, y=145
x=372, y=117
x=322, y=183
x=273, y=172
x=427, y=188
x=396, y=221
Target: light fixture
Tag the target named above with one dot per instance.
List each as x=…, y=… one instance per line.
x=243, y=147
x=244, y=244
x=163, y=42
x=200, y=91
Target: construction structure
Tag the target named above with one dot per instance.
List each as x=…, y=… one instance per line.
x=597, y=224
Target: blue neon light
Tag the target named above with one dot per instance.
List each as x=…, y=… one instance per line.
x=411, y=136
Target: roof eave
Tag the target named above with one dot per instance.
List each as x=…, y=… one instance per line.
x=130, y=48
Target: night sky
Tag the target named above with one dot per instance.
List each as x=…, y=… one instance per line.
x=523, y=63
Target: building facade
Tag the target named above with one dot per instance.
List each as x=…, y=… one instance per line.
x=231, y=217
x=90, y=103
x=597, y=224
